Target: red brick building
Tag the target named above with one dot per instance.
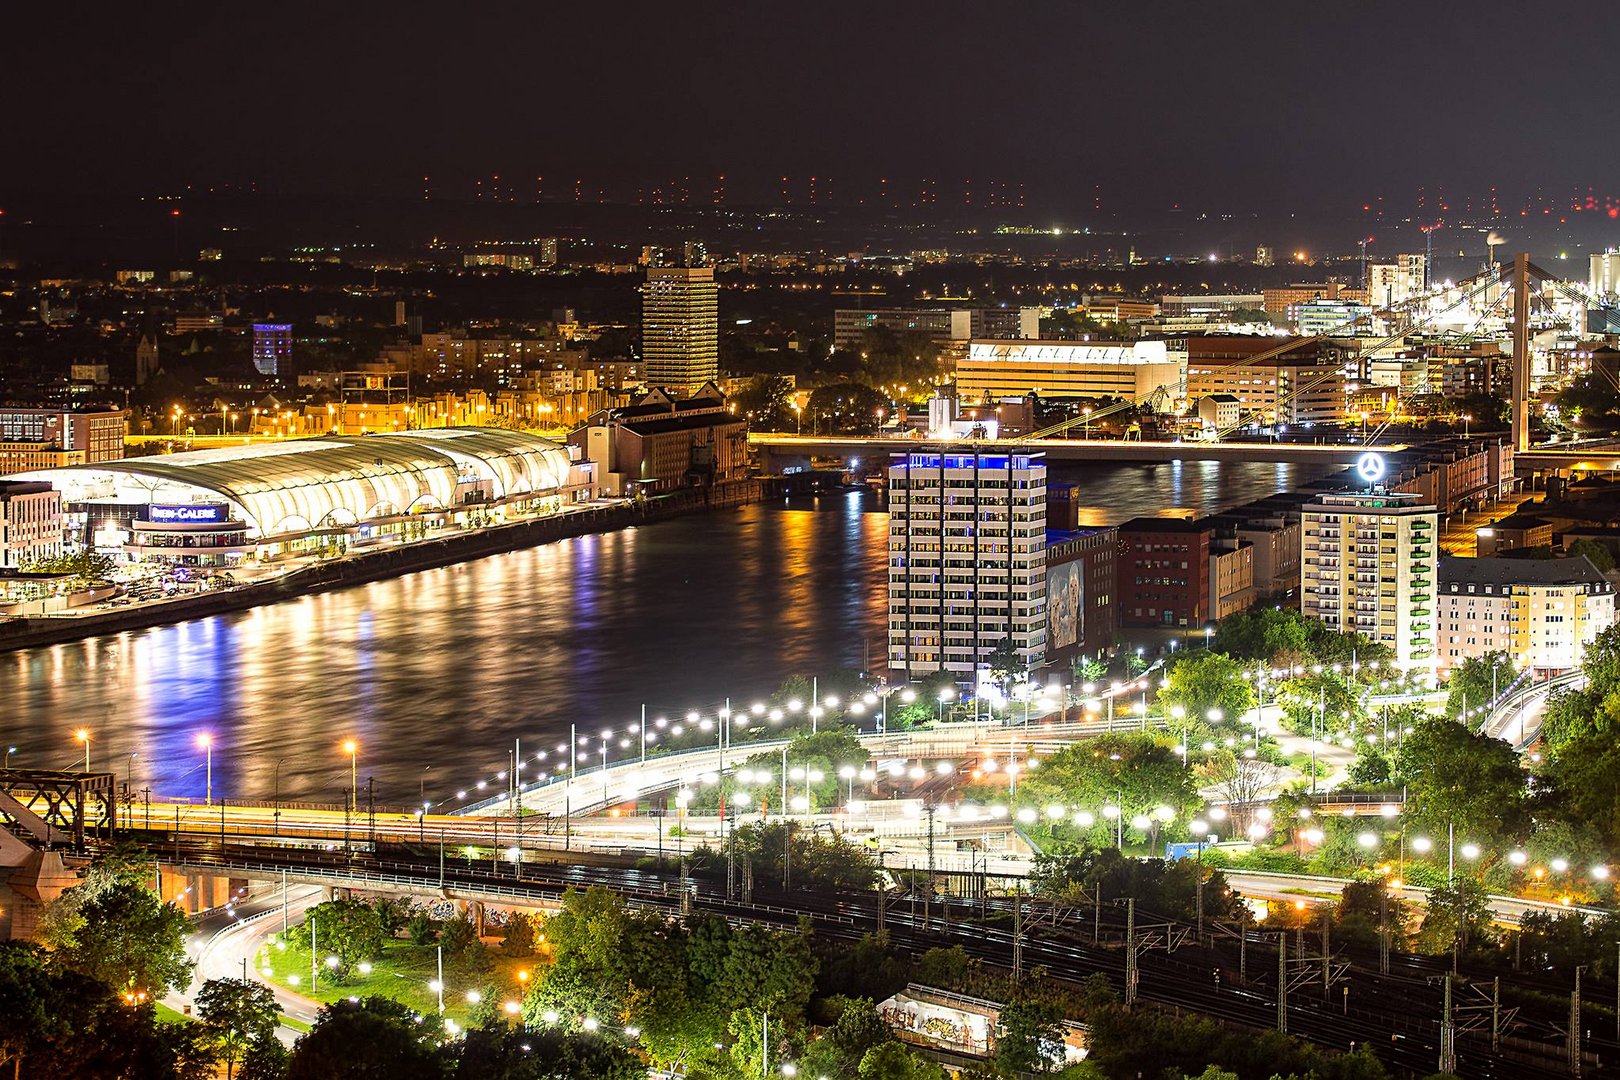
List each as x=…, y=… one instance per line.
x=1164, y=572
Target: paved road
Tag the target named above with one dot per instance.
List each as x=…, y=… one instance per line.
x=224, y=944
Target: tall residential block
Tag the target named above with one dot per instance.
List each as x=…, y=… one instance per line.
x=272, y=347
x=967, y=561
x=680, y=327
x=1368, y=566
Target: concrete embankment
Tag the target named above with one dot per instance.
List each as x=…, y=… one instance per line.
x=357, y=569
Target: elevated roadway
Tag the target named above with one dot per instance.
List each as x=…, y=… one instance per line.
x=779, y=451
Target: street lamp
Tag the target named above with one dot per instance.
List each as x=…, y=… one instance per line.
x=352, y=748
x=206, y=741
x=944, y=696
x=83, y=736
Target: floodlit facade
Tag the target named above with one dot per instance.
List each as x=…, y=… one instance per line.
x=1369, y=567
x=680, y=327
x=967, y=561
x=288, y=495
x=1053, y=369
x=1542, y=613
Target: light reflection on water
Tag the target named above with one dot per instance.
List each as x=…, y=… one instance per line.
x=435, y=673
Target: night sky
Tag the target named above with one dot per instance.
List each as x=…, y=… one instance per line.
x=1218, y=106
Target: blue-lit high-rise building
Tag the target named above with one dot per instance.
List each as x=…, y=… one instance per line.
x=272, y=347
x=967, y=562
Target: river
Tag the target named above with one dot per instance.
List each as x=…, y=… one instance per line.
x=435, y=673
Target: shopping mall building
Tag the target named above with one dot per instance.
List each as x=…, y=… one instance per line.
x=215, y=507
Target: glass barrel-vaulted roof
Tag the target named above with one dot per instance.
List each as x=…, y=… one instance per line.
x=294, y=486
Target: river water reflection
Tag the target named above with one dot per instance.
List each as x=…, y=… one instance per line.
x=435, y=673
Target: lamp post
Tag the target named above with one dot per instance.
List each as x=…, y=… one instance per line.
x=352, y=748
x=944, y=696
x=9, y=751
x=206, y=741
x=83, y=736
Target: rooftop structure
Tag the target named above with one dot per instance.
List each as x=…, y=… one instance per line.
x=291, y=488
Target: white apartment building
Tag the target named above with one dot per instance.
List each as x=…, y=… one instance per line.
x=1368, y=566
x=1541, y=612
x=30, y=523
x=967, y=560
x=995, y=369
x=1395, y=283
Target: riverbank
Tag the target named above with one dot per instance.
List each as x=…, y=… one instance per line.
x=358, y=569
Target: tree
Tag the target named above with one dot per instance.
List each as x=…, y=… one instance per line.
x=1139, y=773
x=27, y=994
x=518, y=942
x=237, y=1014
x=496, y=1052
x=846, y=409
x=1326, y=698
x=348, y=929
x=1029, y=1032
x=892, y=1061
x=123, y=936
x=1476, y=682
x=1463, y=779
x=1241, y=781
x=1007, y=667
x=373, y=1039
x=1458, y=916
x=1164, y=887
x=767, y=402
x=1202, y=682
x=1261, y=633
x=1597, y=554
x=814, y=860
x=1582, y=783
x=1364, y=911
x=841, y=1047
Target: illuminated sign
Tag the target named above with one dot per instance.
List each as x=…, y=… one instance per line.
x=190, y=512
x=1371, y=467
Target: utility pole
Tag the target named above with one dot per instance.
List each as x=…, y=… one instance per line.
x=1130, y=951
x=1448, y=1034
x=1496, y=1013
x=1575, y=1025
x=1383, y=933
x=928, y=897
x=1282, y=982
x=1327, y=954
x=1018, y=933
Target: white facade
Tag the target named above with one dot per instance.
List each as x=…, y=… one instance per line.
x=1394, y=283
x=1605, y=274
x=30, y=524
x=997, y=369
x=1542, y=614
x=1368, y=566
x=967, y=561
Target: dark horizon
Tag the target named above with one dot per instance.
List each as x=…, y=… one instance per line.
x=1067, y=110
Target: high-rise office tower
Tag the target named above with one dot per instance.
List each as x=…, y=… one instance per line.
x=967, y=561
x=1369, y=567
x=680, y=328
x=272, y=347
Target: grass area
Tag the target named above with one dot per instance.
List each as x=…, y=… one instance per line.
x=166, y=1015
x=402, y=973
